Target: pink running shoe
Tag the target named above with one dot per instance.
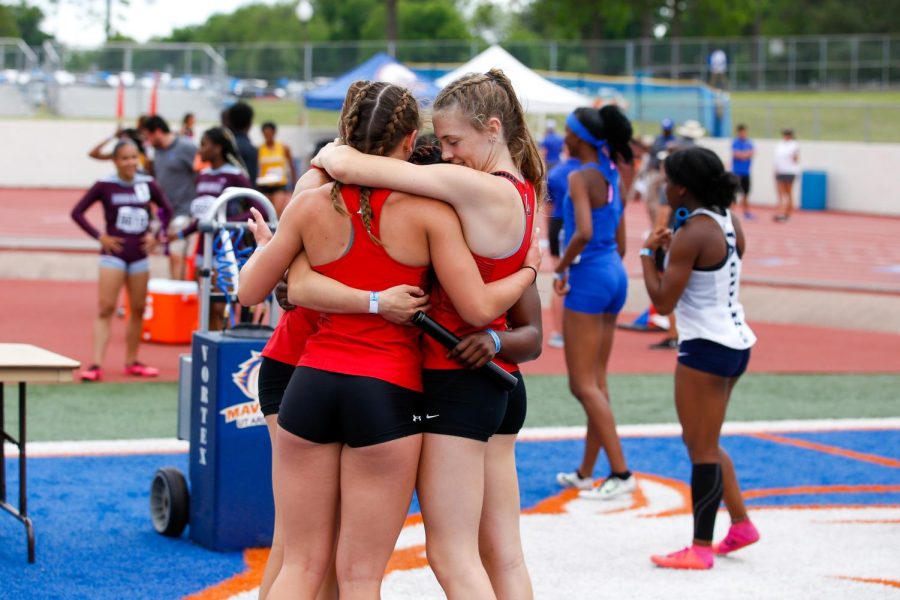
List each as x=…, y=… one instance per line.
x=93, y=373
x=739, y=536
x=693, y=557
x=141, y=370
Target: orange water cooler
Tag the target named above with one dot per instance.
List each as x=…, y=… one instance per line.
x=171, y=313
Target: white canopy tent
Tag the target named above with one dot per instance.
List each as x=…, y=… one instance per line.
x=537, y=95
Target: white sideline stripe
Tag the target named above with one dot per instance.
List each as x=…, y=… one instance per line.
x=175, y=446
x=738, y=427
x=101, y=448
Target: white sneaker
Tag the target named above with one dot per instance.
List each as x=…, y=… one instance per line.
x=572, y=480
x=556, y=341
x=612, y=487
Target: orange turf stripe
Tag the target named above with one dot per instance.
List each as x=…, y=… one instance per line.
x=863, y=522
x=681, y=487
x=407, y=559
x=827, y=449
x=415, y=519
x=554, y=505
x=888, y=582
x=242, y=582
x=821, y=489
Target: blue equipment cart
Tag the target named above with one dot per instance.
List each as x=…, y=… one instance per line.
x=229, y=504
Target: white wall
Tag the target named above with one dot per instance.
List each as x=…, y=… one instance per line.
x=862, y=178
x=53, y=154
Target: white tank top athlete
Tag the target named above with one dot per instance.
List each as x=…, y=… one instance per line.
x=710, y=306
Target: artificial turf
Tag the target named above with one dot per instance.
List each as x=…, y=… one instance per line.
x=149, y=410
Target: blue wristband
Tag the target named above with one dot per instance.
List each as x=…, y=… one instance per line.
x=496, y=338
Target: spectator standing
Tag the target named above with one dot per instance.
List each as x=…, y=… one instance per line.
x=787, y=165
x=718, y=68
x=187, y=126
x=741, y=159
x=276, y=168
x=551, y=145
x=655, y=178
x=240, y=119
x=557, y=188
x=173, y=168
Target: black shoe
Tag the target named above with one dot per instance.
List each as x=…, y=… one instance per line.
x=665, y=344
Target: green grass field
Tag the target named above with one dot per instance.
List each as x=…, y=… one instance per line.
x=837, y=116
x=148, y=410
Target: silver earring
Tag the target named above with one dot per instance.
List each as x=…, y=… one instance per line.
x=492, y=139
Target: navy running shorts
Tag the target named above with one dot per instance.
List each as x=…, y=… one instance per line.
x=516, y=407
x=713, y=358
x=326, y=407
x=274, y=377
x=462, y=402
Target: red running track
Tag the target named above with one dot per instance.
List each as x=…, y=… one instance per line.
x=58, y=316
x=815, y=249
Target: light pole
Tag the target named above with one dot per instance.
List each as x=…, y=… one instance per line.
x=304, y=13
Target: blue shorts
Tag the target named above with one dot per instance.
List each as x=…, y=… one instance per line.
x=597, y=286
x=713, y=358
x=141, y=265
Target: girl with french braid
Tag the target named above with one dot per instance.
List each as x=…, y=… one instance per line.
x=467, y=484
x=349, y=425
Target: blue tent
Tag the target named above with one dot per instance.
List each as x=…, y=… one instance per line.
x=380, y=67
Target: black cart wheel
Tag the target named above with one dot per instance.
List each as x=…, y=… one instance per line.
x=169, y=502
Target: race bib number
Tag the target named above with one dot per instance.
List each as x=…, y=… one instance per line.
x=200, y=206
x=142, y=192
x=132, y=220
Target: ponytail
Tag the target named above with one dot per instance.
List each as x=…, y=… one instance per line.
x=701, y=171
x=481, y=96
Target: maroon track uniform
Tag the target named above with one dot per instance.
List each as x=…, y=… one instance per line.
x=126, y=209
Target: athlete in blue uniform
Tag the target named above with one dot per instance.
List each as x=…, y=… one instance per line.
x=591, y=276
x=557, y=189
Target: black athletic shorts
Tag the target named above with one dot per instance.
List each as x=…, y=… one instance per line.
x=711, y=357
x=325, y=407
x=462, y=402
x=745, y=183
x=553, y=234
x=516, y=407
x=274, y=376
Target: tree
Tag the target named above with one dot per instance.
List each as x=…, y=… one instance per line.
x=22, y=21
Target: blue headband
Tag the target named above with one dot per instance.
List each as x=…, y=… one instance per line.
x=606, y=166
x=581, y=131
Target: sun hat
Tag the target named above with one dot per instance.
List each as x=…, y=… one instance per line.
x=691, y=129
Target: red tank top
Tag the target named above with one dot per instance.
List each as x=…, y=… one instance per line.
x=365, y=344
x=289, y=338
x=295, y=326
x=492, y=269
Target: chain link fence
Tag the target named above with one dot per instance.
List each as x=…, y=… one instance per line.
x=777, y=64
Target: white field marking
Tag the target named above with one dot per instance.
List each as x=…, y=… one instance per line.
x=576, y=554
x=101, y=448
x=734, y=428
x=175, y=446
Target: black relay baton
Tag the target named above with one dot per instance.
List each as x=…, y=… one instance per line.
x=449, y=340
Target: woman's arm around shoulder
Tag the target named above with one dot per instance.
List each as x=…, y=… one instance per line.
x=456, y=185
x=478, y=303
x=313, y=290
